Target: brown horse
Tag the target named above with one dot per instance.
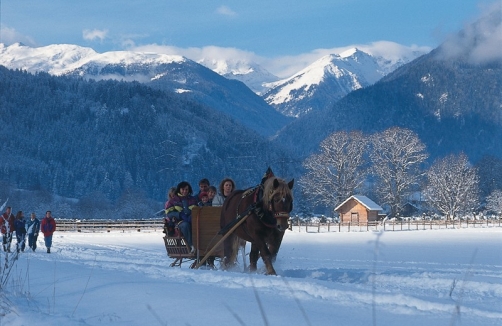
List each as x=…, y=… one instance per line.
x=268, y=206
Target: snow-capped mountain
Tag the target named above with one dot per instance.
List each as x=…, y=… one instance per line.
x=64, y=59
x=168, y=72
x=327, y=80
x=252, y=74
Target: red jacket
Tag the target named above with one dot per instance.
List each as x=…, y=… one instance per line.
x=5, y=221
x=48, y=226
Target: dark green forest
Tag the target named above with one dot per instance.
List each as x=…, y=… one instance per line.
x=111, y=145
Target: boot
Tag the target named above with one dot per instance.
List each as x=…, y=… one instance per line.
x=48, y=250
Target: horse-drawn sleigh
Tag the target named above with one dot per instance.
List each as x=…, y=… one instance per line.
x=259, y=215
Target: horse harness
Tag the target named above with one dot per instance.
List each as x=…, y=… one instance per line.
x=257, y=206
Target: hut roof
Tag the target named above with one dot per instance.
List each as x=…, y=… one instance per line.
x=363, y=200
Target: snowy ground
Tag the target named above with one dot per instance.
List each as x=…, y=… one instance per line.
x=432, y=277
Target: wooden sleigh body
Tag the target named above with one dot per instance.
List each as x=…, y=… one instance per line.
x=205, y=238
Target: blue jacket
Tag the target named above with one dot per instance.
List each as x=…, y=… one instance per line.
x=33, y=227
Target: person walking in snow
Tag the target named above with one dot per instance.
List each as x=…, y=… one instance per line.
x=20, y=227
x=32, y=228
x=48, y=226
x=7, y=228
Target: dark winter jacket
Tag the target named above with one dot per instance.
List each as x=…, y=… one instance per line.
x=183, y=205
x=19, y=226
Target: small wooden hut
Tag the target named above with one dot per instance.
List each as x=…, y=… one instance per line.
x=358, y=209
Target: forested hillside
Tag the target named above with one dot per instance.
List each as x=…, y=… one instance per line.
x=103, y=141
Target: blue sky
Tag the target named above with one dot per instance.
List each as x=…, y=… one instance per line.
x=268, y=29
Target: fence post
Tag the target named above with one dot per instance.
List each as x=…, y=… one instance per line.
x=318, y=227
x=349, y=226
x=328, y=226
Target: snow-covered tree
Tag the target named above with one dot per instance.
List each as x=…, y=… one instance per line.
x=452, y=185
x=338, y=170
x=396, y=157
x=494, y=201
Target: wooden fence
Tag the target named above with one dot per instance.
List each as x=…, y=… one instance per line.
x=394, y=225
x=109, y=225
x=158, y=224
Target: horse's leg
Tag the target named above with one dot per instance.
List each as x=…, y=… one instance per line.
x=274, y=243
x=254, y=254
x=267, y=258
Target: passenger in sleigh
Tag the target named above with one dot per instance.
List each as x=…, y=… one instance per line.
x=169, y=220
x=179, y=211
x=204, y=199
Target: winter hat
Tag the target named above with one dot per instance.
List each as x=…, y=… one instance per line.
x=202, y=194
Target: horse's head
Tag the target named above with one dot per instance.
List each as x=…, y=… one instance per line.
x=278, y=200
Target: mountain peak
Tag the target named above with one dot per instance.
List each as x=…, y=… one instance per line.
x=333, y=76
x=348, y=53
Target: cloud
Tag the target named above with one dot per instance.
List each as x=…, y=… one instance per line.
x=91, y=35
x=226, y=11
x=478, y=42
x=11, y=36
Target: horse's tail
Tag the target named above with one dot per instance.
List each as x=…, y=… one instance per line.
x=235, y=250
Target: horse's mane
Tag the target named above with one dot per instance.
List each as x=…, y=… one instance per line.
x=269, y=192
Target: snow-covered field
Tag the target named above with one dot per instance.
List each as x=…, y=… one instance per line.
x=431, y=277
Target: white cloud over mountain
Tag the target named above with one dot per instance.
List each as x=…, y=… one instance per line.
x=11, y=36
x=91, y=35
x=480, y=41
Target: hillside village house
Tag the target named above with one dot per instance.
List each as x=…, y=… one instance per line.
x=357, y=209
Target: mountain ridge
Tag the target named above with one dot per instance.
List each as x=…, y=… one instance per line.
x=170, y=72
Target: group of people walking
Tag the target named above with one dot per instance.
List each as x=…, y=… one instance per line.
x=26, y=229
x=181, y=201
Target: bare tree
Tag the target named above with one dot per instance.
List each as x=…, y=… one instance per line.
x=336, y=172
x=494, y=202
x=396, y=157
x=452, y=185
